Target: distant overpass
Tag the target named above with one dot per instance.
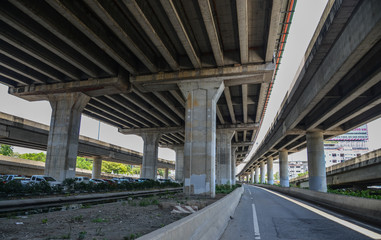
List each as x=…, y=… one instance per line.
x=359, y=171
x=337, y=88
x=16, y=131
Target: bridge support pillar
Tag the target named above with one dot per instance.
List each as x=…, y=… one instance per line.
x=97, y=167
x=270, y=174
x=179, y=166
x=263, y=173
x=256, y=176
x=252, y=176
x=224, y=155
x=166, y=171
x=233, y=162
x=283, y=168
x=200, y=136
x=316, y=162
x=62, y=144
x=150, y=155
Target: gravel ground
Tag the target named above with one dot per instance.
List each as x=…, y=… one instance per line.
x=124, y=220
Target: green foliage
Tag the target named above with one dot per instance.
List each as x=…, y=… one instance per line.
x=117, y=168
x=84, y=163
x=99, y=220
x=40, y=157
x=44, y=221
x=6, y=150
x=303, y=174
x=226, y=188
x=160, y=172
x=374, y=194
x=276, y=176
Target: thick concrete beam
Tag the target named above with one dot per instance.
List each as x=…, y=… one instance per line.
x=62, y=145
x=283, y=168
x=91, y=87
x=316, y=162
x=200, y=136
x=243, y=30
x=270, y=174
x=150, y=155
x=223, y=160
x=97, y=167
x=139, y=131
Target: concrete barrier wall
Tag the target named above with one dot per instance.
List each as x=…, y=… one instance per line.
x=208, y=223
x=364, y=208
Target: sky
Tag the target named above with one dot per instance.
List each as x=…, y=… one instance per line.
x=306, y=17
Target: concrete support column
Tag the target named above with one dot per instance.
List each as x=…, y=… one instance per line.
x=224, y=155
x=179, y=166
x=256, y=176
x=200, y=136
x=270, y=174
x=62, y=147
x=233, y=162
x=166, y=173
x=97, y=167
x=150, y=155
x=283, y=168
x=316, y=162
x=263, y=173
x=252, y=177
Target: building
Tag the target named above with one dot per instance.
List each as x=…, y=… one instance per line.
x=346, y=146
x=296, y=167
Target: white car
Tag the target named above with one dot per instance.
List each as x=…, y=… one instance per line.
x=82, y=179
x=43, y=178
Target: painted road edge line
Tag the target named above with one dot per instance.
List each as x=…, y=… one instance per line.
x=347, y=224
x=255, y=223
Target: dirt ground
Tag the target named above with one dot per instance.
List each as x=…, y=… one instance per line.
x=125, y=219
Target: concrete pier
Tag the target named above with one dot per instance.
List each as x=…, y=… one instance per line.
x=316, y=162
x=256, y=176
x=62, y=145
x=150, y=155
x=97, y=167
x=223, y=171
x=283, y=168
x=179, y=165
x=270, y=174
x=233, y=167
x=200, y=136
x=263, y=172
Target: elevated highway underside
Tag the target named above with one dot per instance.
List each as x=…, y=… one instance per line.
x=170, y=71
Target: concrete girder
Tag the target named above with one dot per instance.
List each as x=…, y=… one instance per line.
x=274, y=26
x=177, y=24
x=151, y=33
x=219, y=115
x=94, y=33
x=244, y=105
x=118, y=27
x=35, y=32
x=230, y=104
x=211, y=29
x=243, y=30
x=169, y=104
x=67, y=34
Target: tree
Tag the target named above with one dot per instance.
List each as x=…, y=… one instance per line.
x=160, y=172
x=6, y=150
x=41, y=157
x=276, y=176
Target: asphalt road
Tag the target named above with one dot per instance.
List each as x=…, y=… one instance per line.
x=262, y=214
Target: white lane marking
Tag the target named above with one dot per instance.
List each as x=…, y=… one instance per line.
x=248, y=191
x=347, y=224
x=255, y=223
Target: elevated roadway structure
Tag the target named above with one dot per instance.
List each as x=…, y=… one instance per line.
x=16, y=131
x=170, y=71
x=358, y=172
x=337, y=88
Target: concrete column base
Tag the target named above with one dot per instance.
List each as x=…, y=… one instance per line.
x=316, y=162
x=263, y=173
x=97, y=167
x=150, y=155
x=256, y=176
x=179, y=166
x=223, y=172
x=166, y=173
x=270, y=174
x=200, y=136
x=62, y=147
x=283, y=169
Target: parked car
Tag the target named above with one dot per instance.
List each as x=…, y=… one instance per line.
x=43, y=178
x=8, y=178
x=144, y=179
x=96, y=181
x=23, y=180
x=109, y=181
x=82, y=179
x=165, y=180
